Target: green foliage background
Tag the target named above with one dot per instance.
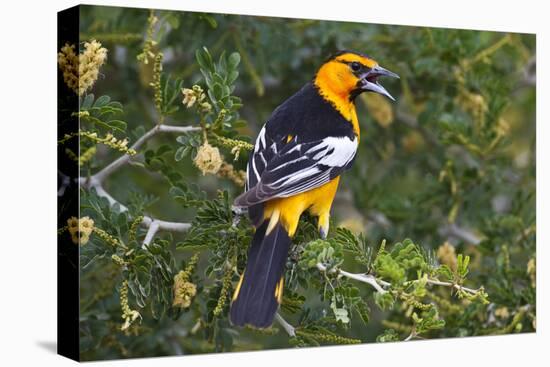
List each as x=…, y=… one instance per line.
x=453, y=160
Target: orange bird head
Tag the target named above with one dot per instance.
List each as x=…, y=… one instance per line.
x=348, y=74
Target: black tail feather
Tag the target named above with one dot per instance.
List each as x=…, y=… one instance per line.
x=255, y=302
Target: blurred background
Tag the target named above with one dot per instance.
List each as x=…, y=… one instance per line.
x=452, y=161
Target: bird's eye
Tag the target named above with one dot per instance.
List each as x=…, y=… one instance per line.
x=355, y=66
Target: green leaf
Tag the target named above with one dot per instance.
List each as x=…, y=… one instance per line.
x=363, y=311
x=233, y=60
x=462, y=265
x=102, y=101
x=205, y=59
x=445, y=272
x=87, y=102
x=210, y=19
x=117, y=125
x=384, y=300
x=180, y=153
x=389, y=335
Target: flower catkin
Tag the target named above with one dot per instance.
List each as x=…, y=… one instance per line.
x=80, y=229
x=80, y=72
x=184, y=290
x=473, y=103
x=67, y=60
x=447, y=255
x=193, y=96
x=128, y=315
x=208, y=159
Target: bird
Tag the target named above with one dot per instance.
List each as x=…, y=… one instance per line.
x=299, y=155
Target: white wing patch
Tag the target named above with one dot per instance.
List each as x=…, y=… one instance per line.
x=330, y=153
x=280, y=169
x=343, y=153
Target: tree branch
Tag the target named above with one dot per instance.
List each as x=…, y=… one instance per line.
x=378, y=283
x=96, y=181
x=365, y=278
x=153, y=228
x=452, y=230
x=290, y=330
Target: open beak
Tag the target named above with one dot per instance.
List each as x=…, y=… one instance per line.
x=369, y=81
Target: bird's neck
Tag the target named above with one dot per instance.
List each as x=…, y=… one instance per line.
x=339, y=98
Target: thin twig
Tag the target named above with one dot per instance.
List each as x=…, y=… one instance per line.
x=454, y=285
x=290, y=330
x=365, y=278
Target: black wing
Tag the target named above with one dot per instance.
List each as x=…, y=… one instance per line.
x=280, y=170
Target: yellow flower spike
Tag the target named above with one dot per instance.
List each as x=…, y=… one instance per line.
x=149, y=43
x=205, y=107
x=80, y=229
x=188, y=97
x=134, y=228
x=72, y=223
x=86, y=224
x=326, y=338
x=87, y=155
x=113, y=241
x=184, y=289
x=81, y=72
x=222, y=300
x=157, y=71
x=109, y=140
x=195, y=96
x=235, y=145
x=447, y=255
x=118, y=260
x=128, y=314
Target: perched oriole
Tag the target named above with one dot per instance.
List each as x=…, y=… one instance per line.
x=298, y=158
